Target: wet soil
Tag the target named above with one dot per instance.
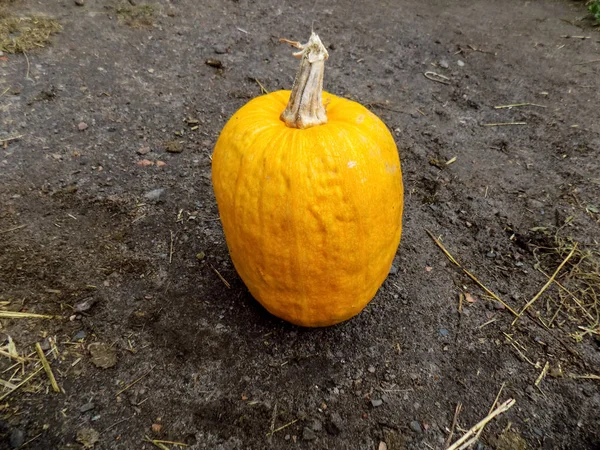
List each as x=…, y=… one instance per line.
x=108, y=223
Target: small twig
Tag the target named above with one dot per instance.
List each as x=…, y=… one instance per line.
x=159, y=441
x=15, y=357
x=294, y=44
x=46, y=366
x=24, y=444
x=469, y=274
x=548, y=283
x=566, y=36
x=28, y=67
x=476, y=437
x=382, y=105
x=110, y=427
x=542, y=374
x=23, y=315
x=516, y=105
x=221, y=277
x=589, y=376
x=487, y=323
x=22, y=383
x=453, y=426
x=273, y=417
x=579, y=302
x=439, y=78
x=262, y=88
x=135, y=381
x=171, y=248
x=8, y=384
x=514, y=344
x=270, y=433
x=12, y=138
x=502, y=408
x=588, y=62
x=503, y=124
x=4, y=91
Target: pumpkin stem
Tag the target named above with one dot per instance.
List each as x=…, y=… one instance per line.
x=305, y=108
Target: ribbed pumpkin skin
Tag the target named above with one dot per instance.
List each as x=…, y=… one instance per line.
x=312, y=217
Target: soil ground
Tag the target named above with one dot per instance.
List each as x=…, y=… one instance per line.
x=149, y=343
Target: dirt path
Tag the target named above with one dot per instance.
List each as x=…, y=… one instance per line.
x=149, y=342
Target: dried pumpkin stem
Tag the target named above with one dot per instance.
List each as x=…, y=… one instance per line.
x=305, y=108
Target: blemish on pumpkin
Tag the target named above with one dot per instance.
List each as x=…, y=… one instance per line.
x=391, y=169
x=360, y=118
x=351, y=164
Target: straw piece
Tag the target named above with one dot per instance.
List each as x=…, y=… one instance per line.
x=23, y=315
x=21, y=383
x=542, y=374
x=46, y=366
x=502, y=408
x=469, y=274
x=548, y=283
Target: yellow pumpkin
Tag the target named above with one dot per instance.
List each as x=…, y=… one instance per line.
x=309, y=191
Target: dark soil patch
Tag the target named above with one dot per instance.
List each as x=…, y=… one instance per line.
x=106, y=199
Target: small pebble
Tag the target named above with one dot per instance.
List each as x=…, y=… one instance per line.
x=143, y=151
x=80, y=336
x=335, y=424
x=155, y=195
x=491, y=254
x=460, y=63
x=45, y=344
x=82, y=126
x=444, y=332
x=308, y=434
x=79, y=2
x=317, y=425
x=17, y=438
x=444, y=64
x=85, y=305
x=376, y=402
x=416, y=426
x=87, y=407
x=530, y=390
x=371, y=369
x=221, y=49
x=393, y=269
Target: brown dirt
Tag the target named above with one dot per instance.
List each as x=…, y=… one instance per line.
x=213, y=369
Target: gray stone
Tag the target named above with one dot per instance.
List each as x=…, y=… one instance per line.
x=80, y=336
x=87, y=407
x=316, y=425
x=393, y=269
x=85, y=305
x=335, y=424
x=155, y=195
x=376, y=402
x=17, y=438
x=308, y=434
x=444, y=64
x=416, y=426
